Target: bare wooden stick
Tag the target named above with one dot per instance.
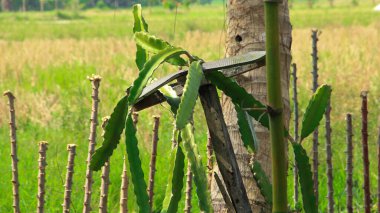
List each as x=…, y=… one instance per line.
x=189, y=187
x=367, y=192
x=349, y=164
x=152, y=165
x=124, y=190
x=105, y=178
x=296, y=118
x=95, y=81
x=13, y=137
x=69, y=178
x=124, y=177
x=314, y=72
x=209, y=159
x=378, y=171
x=43, y=146
x=330, y=194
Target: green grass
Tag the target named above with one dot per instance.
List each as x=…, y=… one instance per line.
x=46, y=60
x=118, y=23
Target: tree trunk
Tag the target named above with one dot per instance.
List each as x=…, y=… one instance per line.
x=6, y=5
x=246, y=32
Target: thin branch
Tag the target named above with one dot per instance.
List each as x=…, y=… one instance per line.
x=95, y=81
x=69, y=178
x=41, y=176
x=13, y=137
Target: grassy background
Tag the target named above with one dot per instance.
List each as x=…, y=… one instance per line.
x=46, y=57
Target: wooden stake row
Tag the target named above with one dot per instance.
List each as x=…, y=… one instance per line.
x=349, y=151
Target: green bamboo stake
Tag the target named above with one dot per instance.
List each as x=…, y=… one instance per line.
x=275, y=107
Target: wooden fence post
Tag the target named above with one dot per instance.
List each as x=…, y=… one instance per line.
x=314, y=72
x=152, y=165
x=43, y=146
x=296, y=136
x=330, y=187
x=13, y=136
x=189, y=187
x=124, y=189
x=105, y=176
x=69, y=178
x=349, y=165
x=95, y=81
x=367, y=191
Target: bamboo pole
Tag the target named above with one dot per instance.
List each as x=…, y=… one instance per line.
x=367, y=192
x=330, y=189
x=296, y=125
x=95, y=81
x=105, y=177
x=314, y=72
x=124, y=189
x=69, y=178
x=43, y=146
x=189, y=187
x=209, y=159
x=153, y=157
x=349, y=165
x=13, y=137
x=275, y=107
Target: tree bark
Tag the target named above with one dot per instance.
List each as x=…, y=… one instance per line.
x=246, y=32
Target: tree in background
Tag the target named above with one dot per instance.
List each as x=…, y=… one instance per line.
x=246, y=32
x=5, y=5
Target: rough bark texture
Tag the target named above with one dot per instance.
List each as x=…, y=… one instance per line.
x=43, y=146
x=95, y=81
x=314, y=72
x=366, y=187
x=246, y=32
x=124, y=189
x=153, y=156
x=349, y=164
x=189, y=187
x=224, y=152
x=296, y=118
x=105, y=178
x=330, y=194
x=69, y=178
x=13, y=137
